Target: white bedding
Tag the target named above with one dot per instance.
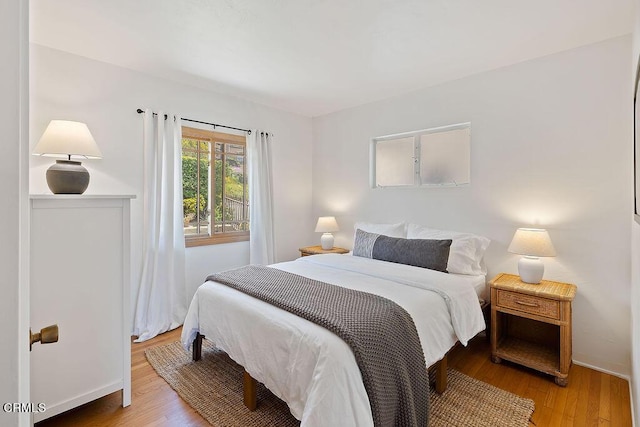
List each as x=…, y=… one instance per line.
x=309, y=367
x=479, y=283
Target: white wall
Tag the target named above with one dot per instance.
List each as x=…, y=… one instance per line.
x=14, y=286
x=66, y=86
x=635, y=258
x=551, y=146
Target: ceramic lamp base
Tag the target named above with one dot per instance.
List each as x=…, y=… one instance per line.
x=326, y=241
x=531, y=269
x=67, y=177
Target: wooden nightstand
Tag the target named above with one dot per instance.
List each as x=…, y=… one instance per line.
x=531, y=324
x=317, y=250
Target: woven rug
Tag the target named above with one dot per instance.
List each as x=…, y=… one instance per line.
x=213, y=387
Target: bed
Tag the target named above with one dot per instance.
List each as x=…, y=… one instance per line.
x=310, y=368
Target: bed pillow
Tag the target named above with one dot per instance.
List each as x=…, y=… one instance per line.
x=467, y=250
x=425, y=253
x=392, y=230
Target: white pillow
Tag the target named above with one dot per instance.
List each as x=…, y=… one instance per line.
x=466, y=252
x=391, y=230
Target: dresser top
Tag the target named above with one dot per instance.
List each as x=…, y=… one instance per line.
x=80, y=196
x=546, y=288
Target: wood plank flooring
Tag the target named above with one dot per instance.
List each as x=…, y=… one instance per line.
x=591, y=398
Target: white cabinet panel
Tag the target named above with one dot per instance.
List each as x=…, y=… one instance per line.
x=80, y=278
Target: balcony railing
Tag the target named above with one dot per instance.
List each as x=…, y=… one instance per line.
x=236, y=218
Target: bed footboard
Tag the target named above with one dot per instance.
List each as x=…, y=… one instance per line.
x=249, y=384
x=250, y=389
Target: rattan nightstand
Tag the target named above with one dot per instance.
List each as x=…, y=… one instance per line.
x=317, y=250
x=531, y=324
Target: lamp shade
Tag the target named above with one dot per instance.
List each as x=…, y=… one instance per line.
x=64, y=138
x=326, y=224
x=532, y=242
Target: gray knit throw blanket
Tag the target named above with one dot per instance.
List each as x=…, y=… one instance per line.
x=381, y=335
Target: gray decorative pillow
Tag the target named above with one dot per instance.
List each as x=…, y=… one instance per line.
x=425, y=253
x=363, y=243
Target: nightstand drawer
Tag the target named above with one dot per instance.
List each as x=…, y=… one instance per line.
x=529, y=304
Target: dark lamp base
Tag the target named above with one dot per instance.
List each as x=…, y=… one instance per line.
x=67, y=177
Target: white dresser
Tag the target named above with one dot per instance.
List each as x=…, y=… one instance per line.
x=80, y=280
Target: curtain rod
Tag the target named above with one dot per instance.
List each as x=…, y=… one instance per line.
x=140, y=111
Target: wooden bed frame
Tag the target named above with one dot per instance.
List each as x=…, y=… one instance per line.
x=249, y=383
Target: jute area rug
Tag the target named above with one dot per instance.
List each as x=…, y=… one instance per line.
x=213, y=387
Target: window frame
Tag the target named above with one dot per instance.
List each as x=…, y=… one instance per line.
x=415, y=136
x=212, y=137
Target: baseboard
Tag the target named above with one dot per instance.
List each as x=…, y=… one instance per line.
x=606, y=371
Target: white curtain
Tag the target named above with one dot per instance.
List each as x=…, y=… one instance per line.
x=161, y=304
x=260, y=198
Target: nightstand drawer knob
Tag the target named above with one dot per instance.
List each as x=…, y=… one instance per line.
x=528, y=304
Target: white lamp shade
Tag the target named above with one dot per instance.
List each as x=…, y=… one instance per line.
x=532, y=242
x=326, y=224
x=64, y=138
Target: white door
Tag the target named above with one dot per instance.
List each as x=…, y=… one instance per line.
x=14, y=214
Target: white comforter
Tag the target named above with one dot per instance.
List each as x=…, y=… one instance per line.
x=310, y=368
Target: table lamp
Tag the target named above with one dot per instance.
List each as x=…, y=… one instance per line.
x=326, y=225
x=64, y=138
x=532, y=243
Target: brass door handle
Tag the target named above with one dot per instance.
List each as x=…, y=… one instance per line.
x=47, y=335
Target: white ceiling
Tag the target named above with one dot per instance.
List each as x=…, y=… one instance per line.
x=314, y=57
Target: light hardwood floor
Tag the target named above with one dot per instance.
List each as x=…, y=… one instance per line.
x=591, y=398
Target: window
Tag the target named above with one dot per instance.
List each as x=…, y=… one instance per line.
x=432, y=157
x=214, y=185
